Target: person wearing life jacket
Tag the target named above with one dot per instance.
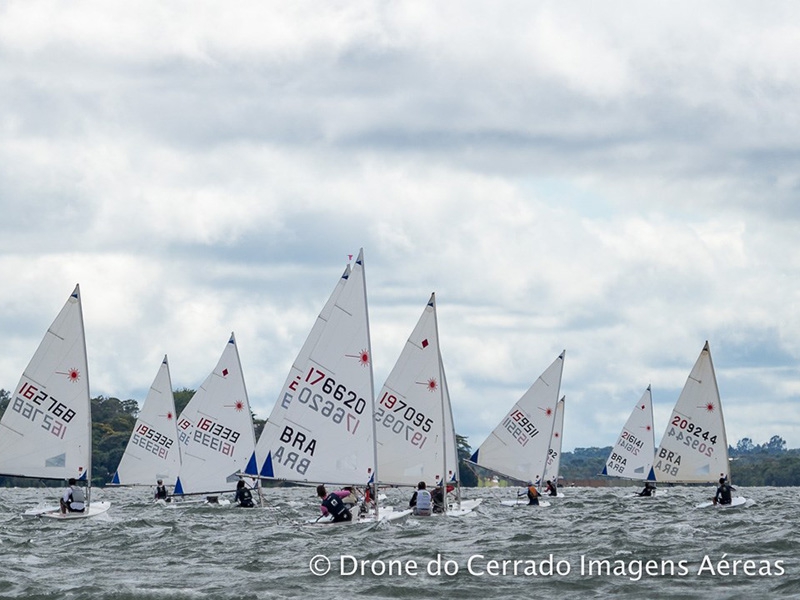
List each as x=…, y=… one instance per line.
x=332, y=504
x=723, y=495
x=438, y=497
x=161, y=491
x=351, y=499
x=551, y=488
x=244, y=497
x=532, y=493
x=421, y=501
x=73, y=500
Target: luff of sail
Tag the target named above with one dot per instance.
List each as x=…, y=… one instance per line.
x=324, y=432
x=694, y=448
x=46, y=430
x=632, y=455
x=153, y=451
x=415, y=436
x=517, y=448
x=215, y=430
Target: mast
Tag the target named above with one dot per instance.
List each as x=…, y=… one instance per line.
x=727, y=474
x=89, y=398
x=552, y=423
x=441, y=401
x=371, y=384
x=456, y=471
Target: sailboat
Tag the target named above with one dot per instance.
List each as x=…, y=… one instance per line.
x=322, y=428
x=694, y=448
x=271, y=433
x=153, y=451
x=517, y=449
x=632, y=455
x=46, y=431
x=553, y=464
x=215, y=431
x=416, y=438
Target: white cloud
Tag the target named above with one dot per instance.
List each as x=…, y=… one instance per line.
x=619, y=181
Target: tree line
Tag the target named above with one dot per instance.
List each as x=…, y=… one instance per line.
x=768, y=464
x=112, y=424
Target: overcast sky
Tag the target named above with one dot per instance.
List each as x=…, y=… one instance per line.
x=619, y=180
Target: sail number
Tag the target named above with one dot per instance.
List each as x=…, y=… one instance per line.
x=34, y=406
x=409, y=413
x=398, y=427
x=327, y=409
x=39, y=398
x=210, y=434
x=152, y=441
x=520, y=427
x=691, y=442
x=689, y=427
x=339, y=392
x=629, y=442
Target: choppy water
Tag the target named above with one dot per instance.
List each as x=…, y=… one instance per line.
x=138, y=550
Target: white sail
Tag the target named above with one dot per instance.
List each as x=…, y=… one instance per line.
x=153, y=451
x=46, y=430
x=632, y=455
x=215, y=430
x=694, y=448
x=269, y=435
x=322, y=429
x=553, y=463
x=518, y=446
x=416, y=441
x=450, y=468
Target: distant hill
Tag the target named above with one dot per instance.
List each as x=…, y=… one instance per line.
x=768, y=464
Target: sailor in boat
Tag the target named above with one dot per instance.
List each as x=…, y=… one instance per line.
x=438, y=497
x=352, y=499
x=333, y=504
x=552, y=488
x=73, y=499
x=244, y=497
x=723, y=495
x=161, y=491
x=421, y=502
x=532, y=493
x=368, y=501
x=649, y=489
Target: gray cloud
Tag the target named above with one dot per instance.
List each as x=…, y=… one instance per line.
x=616, y=181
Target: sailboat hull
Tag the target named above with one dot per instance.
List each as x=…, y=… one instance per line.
x=387, y=514
x=95, y=508
x=738, y=501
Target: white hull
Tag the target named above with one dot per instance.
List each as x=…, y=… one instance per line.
x=737, y=501
x=455, y=509
x=52, y=512
x=387, y=514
